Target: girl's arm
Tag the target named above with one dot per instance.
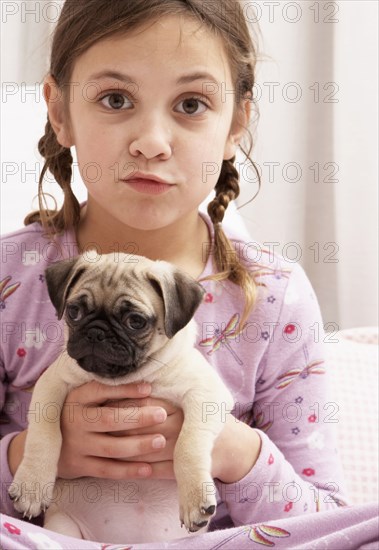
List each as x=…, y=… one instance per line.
x=298, y=469
x=16, y=451
x=235, y=452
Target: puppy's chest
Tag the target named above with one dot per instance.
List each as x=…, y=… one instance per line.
x=118, y=511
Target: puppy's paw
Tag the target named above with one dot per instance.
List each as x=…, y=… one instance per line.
x=197, y=506
x=31, y=493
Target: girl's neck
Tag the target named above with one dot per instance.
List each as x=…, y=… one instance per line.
x=184, y=244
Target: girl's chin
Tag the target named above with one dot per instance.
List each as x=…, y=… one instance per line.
x=146, y=223
x=124, y=215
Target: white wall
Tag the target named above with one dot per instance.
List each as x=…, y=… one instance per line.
x=330, y=55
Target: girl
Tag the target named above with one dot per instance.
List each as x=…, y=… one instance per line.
x=155, y=95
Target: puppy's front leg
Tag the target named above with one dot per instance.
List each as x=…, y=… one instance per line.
x=193, y=450
x=33, y=484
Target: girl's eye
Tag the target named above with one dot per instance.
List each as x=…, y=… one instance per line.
x=193, y=106
x=116, y=101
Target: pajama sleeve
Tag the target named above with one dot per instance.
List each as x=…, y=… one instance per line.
x=6, y=505
x=298, y=469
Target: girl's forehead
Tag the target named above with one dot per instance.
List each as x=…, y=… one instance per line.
x=175, y=42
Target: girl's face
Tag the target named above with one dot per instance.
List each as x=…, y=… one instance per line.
x=158, y=101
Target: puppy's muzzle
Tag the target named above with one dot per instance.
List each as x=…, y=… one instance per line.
x=95, y=335
x=98, y=350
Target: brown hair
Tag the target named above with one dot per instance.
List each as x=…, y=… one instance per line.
x=81, y=24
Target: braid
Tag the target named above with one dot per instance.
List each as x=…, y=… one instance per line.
x=225, y=256
x=227, y=189
x=58, y=160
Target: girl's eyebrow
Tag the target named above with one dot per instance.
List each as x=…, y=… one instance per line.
x=191, y=77
x=111, y=74
x=185, y=79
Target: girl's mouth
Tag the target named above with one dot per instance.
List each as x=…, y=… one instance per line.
x=148, y=186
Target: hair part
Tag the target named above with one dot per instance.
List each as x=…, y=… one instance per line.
x=81, y=24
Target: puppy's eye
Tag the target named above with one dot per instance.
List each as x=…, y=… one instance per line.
x=134, y=321
x=74, y=312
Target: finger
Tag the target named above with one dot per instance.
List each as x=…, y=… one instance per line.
x=162, y=470
x=157, y=456
x=106, y=446
x=169, y=428
x=96, y=393
x=152, y=401
x=110, y=419
x=147, y=401
x=108, y=468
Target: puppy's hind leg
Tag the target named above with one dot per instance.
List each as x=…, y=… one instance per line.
x=58, y=521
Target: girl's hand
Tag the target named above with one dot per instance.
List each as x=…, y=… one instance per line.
x=94, y=414
x=235, y=452
x=111, y=432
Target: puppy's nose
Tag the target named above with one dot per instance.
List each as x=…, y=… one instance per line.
x=95, y=334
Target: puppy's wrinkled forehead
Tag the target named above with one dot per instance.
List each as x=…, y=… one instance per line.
x=155, y=287
x=110, y=281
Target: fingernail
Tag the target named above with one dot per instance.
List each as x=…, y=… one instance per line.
x=160, y=415
x=144, y=388
x=158, y=442
x=144, y=471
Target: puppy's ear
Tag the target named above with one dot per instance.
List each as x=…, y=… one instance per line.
x=59, y=279
x=181, y=296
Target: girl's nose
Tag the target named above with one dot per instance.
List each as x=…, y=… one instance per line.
x=151, y=139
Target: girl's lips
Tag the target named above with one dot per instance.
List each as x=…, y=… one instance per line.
x=147, y=186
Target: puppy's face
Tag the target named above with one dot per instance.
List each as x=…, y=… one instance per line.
x=115, y=320
x=119, y=313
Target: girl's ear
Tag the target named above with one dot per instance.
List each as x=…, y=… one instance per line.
x=240, y=123
x=56, y=110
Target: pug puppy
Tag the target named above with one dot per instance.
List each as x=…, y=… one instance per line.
x=125, y=321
